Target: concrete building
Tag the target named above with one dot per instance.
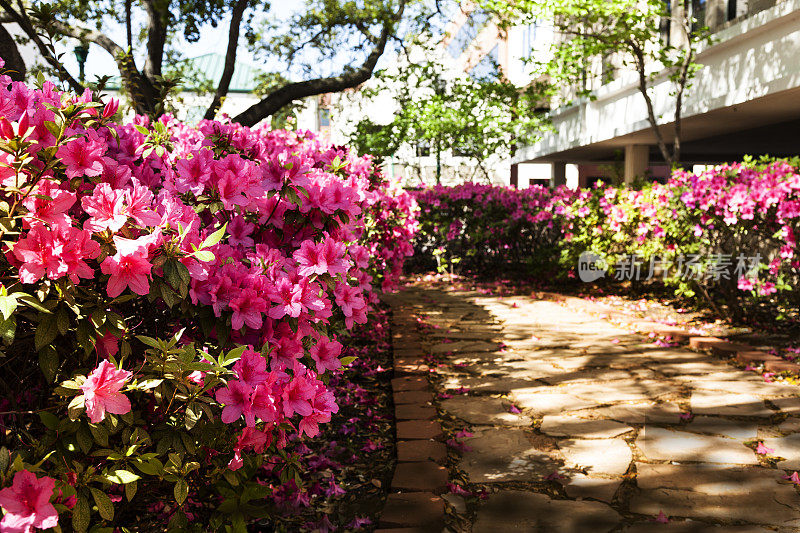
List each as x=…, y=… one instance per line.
x=475, y=44
x=745, y=99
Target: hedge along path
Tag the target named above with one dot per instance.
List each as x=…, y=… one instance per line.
x=575, y=424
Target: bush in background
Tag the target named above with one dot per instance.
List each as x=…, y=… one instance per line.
x=725, y=237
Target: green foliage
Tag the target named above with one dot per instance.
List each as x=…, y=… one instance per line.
x=594, y=37
x=451, y=112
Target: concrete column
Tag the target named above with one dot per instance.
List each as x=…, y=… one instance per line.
x=558, y=174
x=637, y=159
x=514, y=180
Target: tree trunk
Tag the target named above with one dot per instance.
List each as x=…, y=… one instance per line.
x=651, y=116
x=15, y=66
x=156, y=39
x=230, y=59
x=128, y=27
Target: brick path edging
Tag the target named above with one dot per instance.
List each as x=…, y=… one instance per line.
x=414, y=503
x=743, y=353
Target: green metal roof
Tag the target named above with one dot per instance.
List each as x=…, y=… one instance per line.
x=244, y=80
x=245, y=77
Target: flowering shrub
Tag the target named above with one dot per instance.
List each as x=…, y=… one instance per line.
x=481, y=227
x=727, y=235
x=174, y=302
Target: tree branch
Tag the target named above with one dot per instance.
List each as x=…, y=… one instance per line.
x=348, y=79
x=156, y=38
x=638, y=54
x=143, y=92
x=128, y=28
x=27, y=26
x=230, y=59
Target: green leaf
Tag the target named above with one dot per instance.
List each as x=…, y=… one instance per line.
x=29, y=300
x=84, y=438
x=62, y=320
x=48, y=362
x=232, y=356
x=169, y=296
x=81, y=515
x=130, y=490
x=347, y=360
x=4, y=460
x=149, y=384
x=122, y=477
x=183, y=273
x=181, y=491
x=193, y=414
x=100, y=434
x=205, y=256
x=8, y=330
x=49, y=420
x=215, y=237
x=8, y=304
x=142, y=129
x=103, y=502
x=151, y=342
x=152, y=467
x=75, y=407
x=46, y=332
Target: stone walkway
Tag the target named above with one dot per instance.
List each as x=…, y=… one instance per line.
x=579, y=426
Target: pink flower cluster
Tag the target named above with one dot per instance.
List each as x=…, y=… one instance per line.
x=282, y=242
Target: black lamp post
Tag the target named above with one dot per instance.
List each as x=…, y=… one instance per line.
x=439, y=85
x=81, y=52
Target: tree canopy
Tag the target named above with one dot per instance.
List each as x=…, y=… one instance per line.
x=594, y=37
x=475, y=117
x=353, y=33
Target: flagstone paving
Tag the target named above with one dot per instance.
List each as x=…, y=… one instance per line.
x=575, y=424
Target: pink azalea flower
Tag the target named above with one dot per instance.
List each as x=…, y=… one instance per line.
x=239, y=231
x=236, y=399
x=129, y=267
x=763, y=450
x=458, y=489
x=251, y=438
x=194, y=173
x=82, y=157
x=27, y=504
x=661, y=518
x=794, y=478
x=263, y=402
x=514, y=409
x=287, y=295
x=106, y=207
x=57, y=252
x=51, y=210
x=101, y=392
x=107, y=345
x=139, y=200
x=247, y=309
x=326, y=354
x=297, y=396
x=323, y=406
x=251, y=368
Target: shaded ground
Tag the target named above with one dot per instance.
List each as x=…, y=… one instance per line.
x=568, y=423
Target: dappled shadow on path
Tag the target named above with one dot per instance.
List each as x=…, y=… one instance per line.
x=610, y=426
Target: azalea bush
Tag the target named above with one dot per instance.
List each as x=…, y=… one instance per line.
x=479, y=228
x=175, y=301
x=725, y=237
